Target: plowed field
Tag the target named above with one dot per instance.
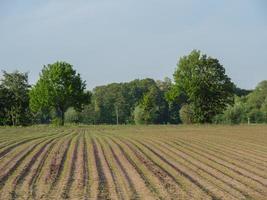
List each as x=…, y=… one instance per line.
x=134, y=162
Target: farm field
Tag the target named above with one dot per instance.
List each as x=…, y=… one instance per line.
x=134, y=162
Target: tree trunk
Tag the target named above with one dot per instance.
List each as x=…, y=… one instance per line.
x=61, y=116
x=13, y=117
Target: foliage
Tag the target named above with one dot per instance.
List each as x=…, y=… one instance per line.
x=203, y=81
x=5, y=105
x=264, y=109
x=14, y=99
x=153, y=107
x=201, y=93
x=256, y=116
x=139, y=115
x=58, y=88
x=128, y=99
x=173, y=112
x=106, y=100
x=42, y=116
x=175, y=100
x=172, y=100
x=258, y=97
x=256, y=103
x=234, y=114
x=186, y=114
x=251, y=108
x=88, y=115
x=72, y=116
x=121, y=96
x=241, y=92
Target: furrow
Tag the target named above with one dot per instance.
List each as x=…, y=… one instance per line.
x=13, y=146
x=26, y=170
x=56, y=169
x=71, y=175
x=190, y=175
x=132, y=190
x=145, y=179
x=207, y=171
x=40, y=175
x=9, y=175
x=7, y=171
x=92, y=168
x=230, y=165
x=85, y=169
x=103, y=190
x=246, y=159
x=37, y=171
x=171, y=185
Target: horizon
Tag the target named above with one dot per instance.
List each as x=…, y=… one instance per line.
x=126, y=40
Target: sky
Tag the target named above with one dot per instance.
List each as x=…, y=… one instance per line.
x=121, y=40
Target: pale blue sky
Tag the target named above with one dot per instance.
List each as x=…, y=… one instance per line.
x=120, y=40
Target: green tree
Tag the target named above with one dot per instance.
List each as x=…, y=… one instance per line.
x=176, y=100
x=5, y=105
x=110, y=103
x=258, y=97
x=153, y=107
x=58, y=88
x=264, y=110
x=234, y=114
x=119, y=100
x=173, y=102
x=42, y=116
x=164, y=85
x=186, y=114
x=203, y=81
x=89, y=115
x=14, y=96
x=257, y=103
x=139, y=115
x=241, y=92
x=250, y=108
x=72, y=116
x=256, y=116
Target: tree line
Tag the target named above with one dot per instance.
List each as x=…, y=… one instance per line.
x=200, y=93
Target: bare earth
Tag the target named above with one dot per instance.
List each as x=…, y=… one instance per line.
x=134, y=162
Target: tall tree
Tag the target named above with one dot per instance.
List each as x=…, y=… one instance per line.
x=14, y=95
x=203, y=81
x=58, y=88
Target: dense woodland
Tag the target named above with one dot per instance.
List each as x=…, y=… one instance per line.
x=201, y=92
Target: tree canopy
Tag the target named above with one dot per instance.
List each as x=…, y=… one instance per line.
x=202, y=80
x=14, y=99
x=200, y=93
x=152, y=109
x=58, y=88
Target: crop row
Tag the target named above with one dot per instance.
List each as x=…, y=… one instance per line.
x=87, y=163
